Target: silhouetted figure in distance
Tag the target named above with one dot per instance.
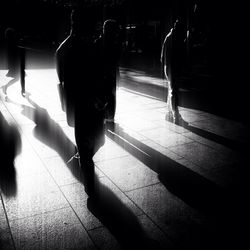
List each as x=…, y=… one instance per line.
x=109, y=50
x=173, y=60
x=15, y=60
x=84, y=99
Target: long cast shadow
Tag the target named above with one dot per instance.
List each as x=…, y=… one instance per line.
x=10, y=147
x=192, y=100
x=120, y=220
x=105, y=205
x=195, y=190
x=229, y=143
x=222, y=207
x=51, y=134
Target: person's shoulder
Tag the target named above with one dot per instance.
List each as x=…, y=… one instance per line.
x=64, y=44
x=98, y=40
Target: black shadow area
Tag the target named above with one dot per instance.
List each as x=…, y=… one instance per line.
x=242, y=147
x=120, y=220
x=221, y=206
x=10, y=147
x=52, y=135
x=104, y=204
x=194, y=189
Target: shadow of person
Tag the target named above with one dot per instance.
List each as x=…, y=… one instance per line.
x=191, y=187
x=119, y=219
x=51, y=134
x=232, y=144
x=10, y=147
x=206, y=197
x=229, y=143
x=8, y=84
x=103, y=203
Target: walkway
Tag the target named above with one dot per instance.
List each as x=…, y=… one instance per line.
x=160, y=185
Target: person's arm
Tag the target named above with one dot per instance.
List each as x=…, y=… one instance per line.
x=59, y=56
x=59, y=66
x=162, y=49
x=59, y=69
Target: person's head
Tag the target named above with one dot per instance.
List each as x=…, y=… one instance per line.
x=10, y=34
x=82, y=24
x=110, y=29
x=179, y=28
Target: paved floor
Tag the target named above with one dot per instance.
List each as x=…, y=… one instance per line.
x=161, y=186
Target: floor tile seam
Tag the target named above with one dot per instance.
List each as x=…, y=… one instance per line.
x=78, y=182
x=111, y=158
x=97, y=227
x=142, y=95
x=138, y=188
x=217, y=134
x=71, y=206
x=54, y=180
x=148, y=129
x=39, y=214
x=176, y=145
x=168, y=237
x=216, y=151
x=123, y=192
x=170, y=148
x=210, y=146
x=150, y=219
x=195, y=164
x=78, y=218
x=200, y=119
x=7, y=220
x=180, y=156
x=156, y=126
x=178, y=132
x=125, y=128
x=151, y=120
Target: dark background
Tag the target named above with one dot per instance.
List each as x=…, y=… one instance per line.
x=215, y=51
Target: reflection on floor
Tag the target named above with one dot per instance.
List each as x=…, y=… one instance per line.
x=161, y=185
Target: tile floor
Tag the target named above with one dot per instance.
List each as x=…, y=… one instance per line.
x=161, y=186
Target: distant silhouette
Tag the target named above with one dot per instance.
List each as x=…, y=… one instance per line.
x=82, y=90
x=173, y=60
x=109, y=49
x=15, y=60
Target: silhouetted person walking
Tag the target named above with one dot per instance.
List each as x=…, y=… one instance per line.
x=173, y=60
x=84, y=99
x=109, y=49
x=15, y=60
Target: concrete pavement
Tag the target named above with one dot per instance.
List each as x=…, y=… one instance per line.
x=161, y=185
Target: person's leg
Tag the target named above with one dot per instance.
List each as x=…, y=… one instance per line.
x=11, y=82
x=85, y=161
x=111, y=107
x=85, y=146
x=174, y=97
x=22, y=80
x=22, y=72
x=177, y=118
